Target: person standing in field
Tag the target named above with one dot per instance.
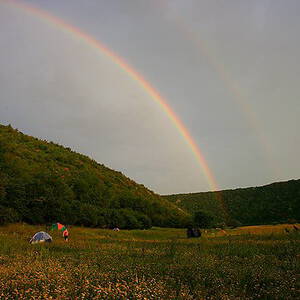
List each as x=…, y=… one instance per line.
x=66, y=234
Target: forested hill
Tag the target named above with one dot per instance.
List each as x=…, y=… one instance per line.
x=41, y=182
x=274, y=203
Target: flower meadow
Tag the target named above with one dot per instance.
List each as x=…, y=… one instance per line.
x=260, y=262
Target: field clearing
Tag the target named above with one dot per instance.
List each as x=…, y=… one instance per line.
x=255, y=262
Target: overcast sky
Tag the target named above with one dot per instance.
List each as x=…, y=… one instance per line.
x=229, y=69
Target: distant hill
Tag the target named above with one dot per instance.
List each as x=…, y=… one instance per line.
x=42, y=182
x=274, y=203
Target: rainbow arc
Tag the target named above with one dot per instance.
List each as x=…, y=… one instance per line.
x=130, y=71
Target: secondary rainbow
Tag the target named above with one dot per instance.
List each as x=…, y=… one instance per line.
x=131, y=72
x=231, y=84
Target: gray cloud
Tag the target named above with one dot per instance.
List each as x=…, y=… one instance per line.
x=55, y=86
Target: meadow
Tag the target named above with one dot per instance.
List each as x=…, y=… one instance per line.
x=257, y=262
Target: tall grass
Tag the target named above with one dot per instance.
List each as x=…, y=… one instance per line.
x=149, y=264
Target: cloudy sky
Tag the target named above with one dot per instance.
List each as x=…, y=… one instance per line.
x=228, y=69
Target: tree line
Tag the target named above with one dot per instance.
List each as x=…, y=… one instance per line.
x=270, y=204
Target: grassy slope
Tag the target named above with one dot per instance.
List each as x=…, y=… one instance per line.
x=260, y=262
x=45, y=182
x=273, y=203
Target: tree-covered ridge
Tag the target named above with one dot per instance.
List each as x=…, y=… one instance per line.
x=44, y=182
x=274, y=203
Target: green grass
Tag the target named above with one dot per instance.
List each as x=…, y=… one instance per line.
x=246, y=263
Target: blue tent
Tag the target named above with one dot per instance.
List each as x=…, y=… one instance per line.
x=41, y=237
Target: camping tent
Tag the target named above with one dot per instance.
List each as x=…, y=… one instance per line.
x=193, y=232
x=41, y=237
x=58, y=226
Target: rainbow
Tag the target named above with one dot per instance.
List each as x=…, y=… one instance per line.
x=155, y=95
x=231, y=84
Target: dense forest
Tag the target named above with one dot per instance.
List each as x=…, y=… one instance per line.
x=274, y=203
x=42, y=182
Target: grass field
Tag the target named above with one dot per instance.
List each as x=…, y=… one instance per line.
x=258, y=262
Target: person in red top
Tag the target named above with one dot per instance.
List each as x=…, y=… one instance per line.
x=66, y=235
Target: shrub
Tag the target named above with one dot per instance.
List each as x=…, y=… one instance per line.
x=203, y=219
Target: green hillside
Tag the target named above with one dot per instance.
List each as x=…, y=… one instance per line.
x=41, y=182
x=274, y=203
